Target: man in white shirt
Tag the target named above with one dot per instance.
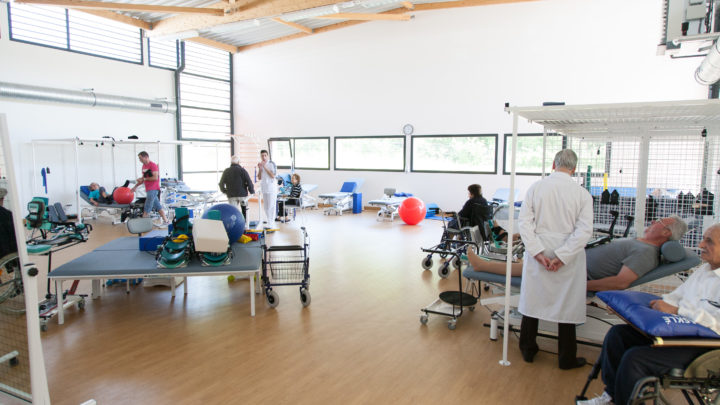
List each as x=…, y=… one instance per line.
x=626, y=354
x=555, y=223
x=266, y=173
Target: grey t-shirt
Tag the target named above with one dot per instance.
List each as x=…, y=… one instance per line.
x=607, y=260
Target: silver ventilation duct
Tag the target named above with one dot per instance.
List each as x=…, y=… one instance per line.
x=89, y=98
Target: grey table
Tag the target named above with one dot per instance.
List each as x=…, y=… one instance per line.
x=121, y=258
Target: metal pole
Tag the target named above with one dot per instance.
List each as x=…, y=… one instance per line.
x=508, y=258
x=544, y=151
x=34, y=176
x=77, y=181
x=641, y=196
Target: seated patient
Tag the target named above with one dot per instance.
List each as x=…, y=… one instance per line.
x=474, y=197
x=98, y=195
x=626, y=355
x=614, y=265
x=293, y=196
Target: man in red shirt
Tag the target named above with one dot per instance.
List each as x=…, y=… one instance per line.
x=151, y=179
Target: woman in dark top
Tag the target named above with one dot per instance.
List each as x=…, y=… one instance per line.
x=293, y=197
x=475, y=198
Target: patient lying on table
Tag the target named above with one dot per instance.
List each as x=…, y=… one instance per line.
x=98, y=195
x=612, y=266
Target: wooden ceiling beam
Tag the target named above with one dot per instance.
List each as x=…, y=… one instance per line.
x=243, y=10
x=111, y=15
x=366, y=17
x=463, y=3
x=100, y=5
x=214, y=44
x=297, y=26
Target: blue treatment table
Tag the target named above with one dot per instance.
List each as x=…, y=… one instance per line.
x=121, y=258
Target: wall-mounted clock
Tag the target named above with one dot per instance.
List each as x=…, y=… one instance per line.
x=408, y=129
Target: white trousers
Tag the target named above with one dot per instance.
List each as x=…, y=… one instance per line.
x=270, y=207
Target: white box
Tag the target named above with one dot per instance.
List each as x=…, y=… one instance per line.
x=209, y=235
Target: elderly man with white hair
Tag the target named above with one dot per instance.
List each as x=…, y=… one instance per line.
x=555, y=223
x=236, y=184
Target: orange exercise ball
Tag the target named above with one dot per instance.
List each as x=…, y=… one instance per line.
x=123, y=195
x=412, y=211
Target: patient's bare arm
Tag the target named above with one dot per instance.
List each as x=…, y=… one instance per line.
x=493, y=266
x=619, y=282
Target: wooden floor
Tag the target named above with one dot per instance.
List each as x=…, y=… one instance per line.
x=359, y=342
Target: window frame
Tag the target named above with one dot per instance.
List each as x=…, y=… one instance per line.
x=412, y=152
x=529, y=134
x=177, y=57
x=67, y=48
x=404, y=165
x=312, y=137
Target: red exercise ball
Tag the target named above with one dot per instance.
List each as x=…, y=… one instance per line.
x=412, y=211
x=123, y=195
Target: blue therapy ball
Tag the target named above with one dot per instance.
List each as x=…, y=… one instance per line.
x=232, y=219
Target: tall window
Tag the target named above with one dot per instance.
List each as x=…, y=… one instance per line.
x=203, y=164
x=454, y=153
x=376, y=153
x=75, y=31
x=529, y=154
x=205, y=98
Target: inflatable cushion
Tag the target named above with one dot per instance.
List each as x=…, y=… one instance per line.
x=634, y=307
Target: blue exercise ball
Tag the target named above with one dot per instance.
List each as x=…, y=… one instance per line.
x=232, y=219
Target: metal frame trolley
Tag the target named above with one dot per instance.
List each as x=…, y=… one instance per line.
x=286, y=265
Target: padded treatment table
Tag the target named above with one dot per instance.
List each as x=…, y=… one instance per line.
x=121, y=258
x=388, y=206
x=114, y=205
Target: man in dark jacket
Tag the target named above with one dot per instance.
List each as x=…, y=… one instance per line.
x=7, y=230
x=236, y=184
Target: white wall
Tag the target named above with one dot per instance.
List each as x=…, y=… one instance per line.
x=41, y=66
x=451, y=71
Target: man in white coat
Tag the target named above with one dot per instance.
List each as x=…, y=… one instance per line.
x=266, y=173
x=555, y=223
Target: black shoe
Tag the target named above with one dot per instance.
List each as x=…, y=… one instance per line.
x=127, y=183
x=579, y=362
x=528, y=355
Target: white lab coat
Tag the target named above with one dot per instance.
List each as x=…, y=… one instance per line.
x=556, y=218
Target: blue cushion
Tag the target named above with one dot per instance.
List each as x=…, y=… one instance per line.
x=634, y=307
x=85, y=189
x=672, y=251
x=348, y=187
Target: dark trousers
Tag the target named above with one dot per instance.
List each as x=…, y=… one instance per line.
x=627, y=357
x=567, y=345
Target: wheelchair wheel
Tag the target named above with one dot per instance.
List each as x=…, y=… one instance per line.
x=427, y=263
x=444, y=270
x=11, y=285
x=304, y=297
x=272, y=299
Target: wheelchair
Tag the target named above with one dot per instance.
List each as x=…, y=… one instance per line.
x=471, y=229
x=699, y=383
